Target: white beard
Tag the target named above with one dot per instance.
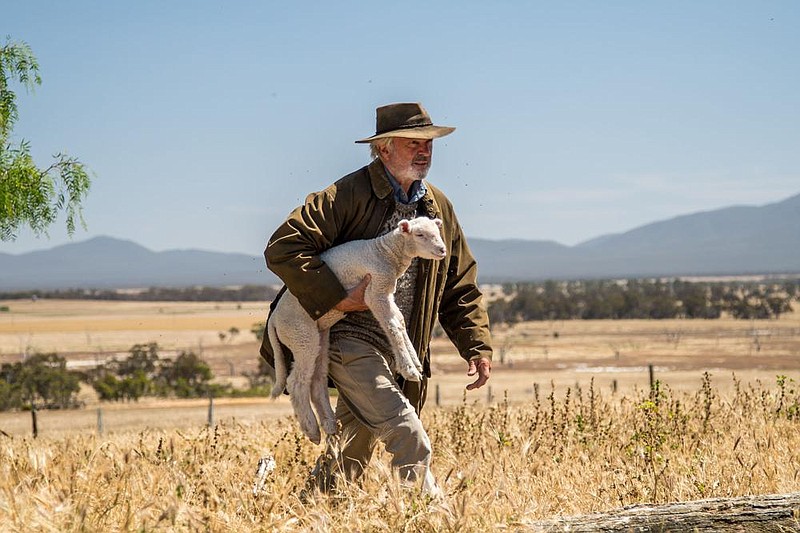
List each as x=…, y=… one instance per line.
x=412, y=173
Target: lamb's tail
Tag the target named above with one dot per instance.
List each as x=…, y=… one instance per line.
x=280, y=361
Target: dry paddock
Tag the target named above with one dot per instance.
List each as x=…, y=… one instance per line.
x=553, y=355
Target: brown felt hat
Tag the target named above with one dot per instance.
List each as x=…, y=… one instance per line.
x=407, y=120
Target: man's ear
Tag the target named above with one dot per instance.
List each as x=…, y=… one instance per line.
x=405, y=226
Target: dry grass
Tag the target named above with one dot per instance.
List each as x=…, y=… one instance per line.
x=85, y=327
x=565, y=452
x=560, y=444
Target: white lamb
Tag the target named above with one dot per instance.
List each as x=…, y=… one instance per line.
x=385, y=258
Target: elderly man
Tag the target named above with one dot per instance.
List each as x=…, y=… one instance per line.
x=373, y=403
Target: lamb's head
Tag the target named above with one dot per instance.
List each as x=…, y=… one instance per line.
x=423, y=238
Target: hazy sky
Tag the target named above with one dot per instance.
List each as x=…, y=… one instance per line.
x=205, y=123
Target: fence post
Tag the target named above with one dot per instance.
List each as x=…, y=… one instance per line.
x=614, y=386
x=34, y=422
x=210, y=410
x=99, y=420
x=489, y=396
x=652, y=376
x=438, y=396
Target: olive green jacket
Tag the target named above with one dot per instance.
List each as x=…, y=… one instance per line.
x=357, y=207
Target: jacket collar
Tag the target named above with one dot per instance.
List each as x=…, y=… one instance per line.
x=380, y=181
x=427, y=205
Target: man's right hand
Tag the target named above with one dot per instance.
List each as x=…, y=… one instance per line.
x=354, y=301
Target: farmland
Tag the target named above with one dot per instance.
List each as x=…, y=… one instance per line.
x=570, y=425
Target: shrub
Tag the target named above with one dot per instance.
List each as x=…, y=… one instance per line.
x=42, y=381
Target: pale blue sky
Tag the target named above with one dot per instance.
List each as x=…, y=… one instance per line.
x=207, y=122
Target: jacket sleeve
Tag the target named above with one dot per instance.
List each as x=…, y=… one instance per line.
x=293, y=253
x=461, y=311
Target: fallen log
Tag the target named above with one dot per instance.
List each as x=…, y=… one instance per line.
x=759, y=514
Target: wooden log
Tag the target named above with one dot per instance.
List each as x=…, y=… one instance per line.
x=758, y=514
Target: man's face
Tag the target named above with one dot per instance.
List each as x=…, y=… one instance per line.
x=408, y=159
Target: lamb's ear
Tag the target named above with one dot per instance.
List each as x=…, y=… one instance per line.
x=438, y=222
x=405, y=226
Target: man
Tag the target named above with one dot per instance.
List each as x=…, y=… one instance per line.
x=373, y=403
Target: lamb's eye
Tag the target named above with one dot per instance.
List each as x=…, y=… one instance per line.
x=419, y=234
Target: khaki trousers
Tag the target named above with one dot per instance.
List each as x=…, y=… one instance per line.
x=373, y=405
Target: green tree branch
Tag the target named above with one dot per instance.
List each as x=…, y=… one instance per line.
x=30, y=196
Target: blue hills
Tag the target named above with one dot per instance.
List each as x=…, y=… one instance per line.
x=738, y=240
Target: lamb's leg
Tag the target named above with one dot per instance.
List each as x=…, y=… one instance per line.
x=430, y=487
x=412, y=350
x=390, y=318
x=299, y=383
x=319, y=387
x=279, y=361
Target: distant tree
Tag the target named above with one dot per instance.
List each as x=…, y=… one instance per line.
x=143, y=358
x=29, y=195
x=135, y=386
x=42, y=380
x=499, y=310
x=10, y=397
x=257, y=329
x=129, y=379
x=792, y=288
x=188, y=376
x=779, y=304
x=108, y=387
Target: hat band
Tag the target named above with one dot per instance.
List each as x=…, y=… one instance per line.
x=404, y=127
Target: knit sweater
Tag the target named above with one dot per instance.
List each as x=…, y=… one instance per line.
x=363, y=325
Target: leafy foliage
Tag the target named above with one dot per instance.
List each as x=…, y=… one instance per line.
x=29, y=195
x=638, y=299
x=188, y=376
x=41, y=381
x=143, y=373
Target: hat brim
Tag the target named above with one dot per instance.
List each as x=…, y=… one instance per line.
x=423, y=132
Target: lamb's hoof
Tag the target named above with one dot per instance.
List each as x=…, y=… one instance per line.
x=313, y=436
x=311, y=431
x=330, y=426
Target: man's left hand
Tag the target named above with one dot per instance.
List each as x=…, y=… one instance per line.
x=482, y=367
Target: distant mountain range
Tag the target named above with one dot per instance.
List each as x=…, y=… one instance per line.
x=730, y=241
x=106, y=262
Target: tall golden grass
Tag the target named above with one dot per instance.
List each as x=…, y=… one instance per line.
x=565, y=451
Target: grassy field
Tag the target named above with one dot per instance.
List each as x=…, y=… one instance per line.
x=569, y=426
x=85, y=327
x=502, y=467
x=528, y=355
